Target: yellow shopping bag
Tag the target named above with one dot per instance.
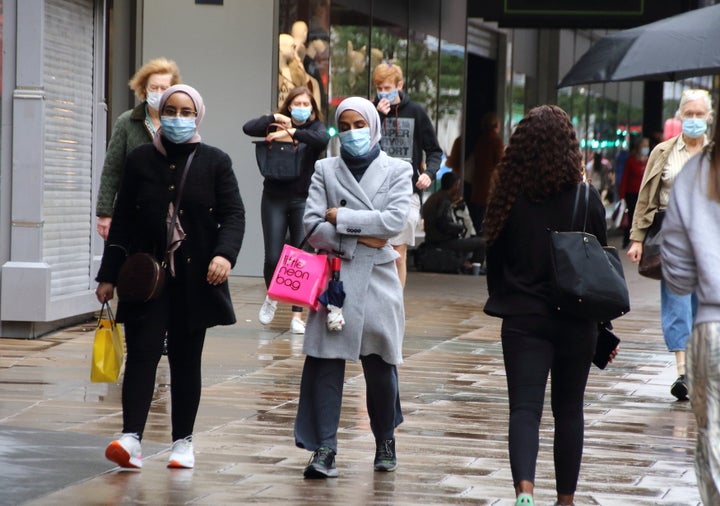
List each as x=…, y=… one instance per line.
x=108, y=349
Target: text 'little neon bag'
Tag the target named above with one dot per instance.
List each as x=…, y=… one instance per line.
x=299, y=278
x=108, y=349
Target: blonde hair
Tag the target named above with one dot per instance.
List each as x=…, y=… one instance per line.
x=139, y=81
x=695, y=94
x=385, y=71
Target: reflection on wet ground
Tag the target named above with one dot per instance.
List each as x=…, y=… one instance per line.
x=452, y=447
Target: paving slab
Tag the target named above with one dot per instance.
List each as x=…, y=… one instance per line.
x=452, y=448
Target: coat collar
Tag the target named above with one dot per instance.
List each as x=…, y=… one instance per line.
x=375, y=175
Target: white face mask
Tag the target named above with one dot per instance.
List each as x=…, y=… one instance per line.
x=153, y=99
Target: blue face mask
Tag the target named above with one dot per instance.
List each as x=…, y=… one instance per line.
x=355, y=142
x=177, y=129
x=644, y=151
x=153, y=99
x=694, y=127
x=390, y=95
x=301, y=114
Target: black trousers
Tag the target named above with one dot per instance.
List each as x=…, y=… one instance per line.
x=321, y=389
x=144, y=339
x=280, y=215
x=533, y=347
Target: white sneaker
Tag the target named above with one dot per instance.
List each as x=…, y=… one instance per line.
x=297, y=326
x=182, y=455
x=267, y=311
x=125, y=452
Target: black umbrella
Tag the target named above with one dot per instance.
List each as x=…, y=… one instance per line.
x=334, y=297
x=673, y=48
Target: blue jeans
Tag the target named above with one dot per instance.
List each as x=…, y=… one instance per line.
x=677, y=313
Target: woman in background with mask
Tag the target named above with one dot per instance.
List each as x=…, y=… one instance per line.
x=195, y=295
x=357, y=201
x=132, y=128
x=632, y=178
x=283, y=201
x=666, y=161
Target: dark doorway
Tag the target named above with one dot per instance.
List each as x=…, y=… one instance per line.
x=481, y=95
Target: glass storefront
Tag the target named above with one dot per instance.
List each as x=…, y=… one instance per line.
x=338, y=43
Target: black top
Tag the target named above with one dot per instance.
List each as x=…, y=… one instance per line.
x=519, y=265
x=408, y=133
x=211, y=213
x=312, y=134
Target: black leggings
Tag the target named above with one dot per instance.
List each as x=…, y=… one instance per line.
x=280, y=214
x=144, y=340
x=534, y=346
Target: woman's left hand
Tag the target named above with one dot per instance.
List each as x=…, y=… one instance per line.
x=423, y=181
x=218, y=271
x=279, y=135
x=331, y=215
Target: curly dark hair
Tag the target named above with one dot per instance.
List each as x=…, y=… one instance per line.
x=542, y=158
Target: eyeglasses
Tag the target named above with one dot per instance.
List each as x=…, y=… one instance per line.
x=157, y=88
x=185, y=112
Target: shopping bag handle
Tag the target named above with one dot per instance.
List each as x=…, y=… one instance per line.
x=106, y=307
x=282, y=127
x=304, y=241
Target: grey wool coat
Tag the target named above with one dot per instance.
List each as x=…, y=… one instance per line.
x=376, y=206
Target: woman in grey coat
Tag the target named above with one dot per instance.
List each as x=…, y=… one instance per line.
x=358, y=201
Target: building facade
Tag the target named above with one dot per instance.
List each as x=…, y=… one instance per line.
x=66, y=64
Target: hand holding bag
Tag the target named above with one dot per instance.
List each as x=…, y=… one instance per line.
x=300, y=276
x=142, y=276
x=589, y=278
x=278, y=159
x=108, y=349
x=649, y=265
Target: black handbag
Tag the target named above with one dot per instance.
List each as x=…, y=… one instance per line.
x=278, y=159
x=589, y=278
x=649, y=265
x=142, y=276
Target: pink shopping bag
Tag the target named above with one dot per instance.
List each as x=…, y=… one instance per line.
x=300, y=277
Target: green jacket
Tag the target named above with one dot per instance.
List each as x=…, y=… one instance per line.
x=129, y=132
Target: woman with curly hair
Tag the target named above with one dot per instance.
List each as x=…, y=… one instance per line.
x=533, y=192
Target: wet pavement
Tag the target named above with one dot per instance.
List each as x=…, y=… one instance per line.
x=452, y=448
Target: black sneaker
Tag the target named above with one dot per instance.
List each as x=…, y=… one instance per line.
x=385, y=457
x=679, y=389
x=322, y=464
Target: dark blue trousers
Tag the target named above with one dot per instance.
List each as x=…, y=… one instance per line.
x=321, y=389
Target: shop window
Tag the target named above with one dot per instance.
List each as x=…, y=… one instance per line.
x=304, y=48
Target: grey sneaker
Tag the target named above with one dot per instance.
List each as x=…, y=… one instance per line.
x=322, y=464
x=267, y=311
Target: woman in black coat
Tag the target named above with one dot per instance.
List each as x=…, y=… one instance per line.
x=195, y=295
x=283, y=201
x=534, y=192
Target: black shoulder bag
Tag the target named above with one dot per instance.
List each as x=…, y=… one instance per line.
x=589, y=278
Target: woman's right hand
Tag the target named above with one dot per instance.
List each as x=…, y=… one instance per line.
x=283, y=120
x=635, y=251
x=103, y=226
x=104, y=292
x=372, y=242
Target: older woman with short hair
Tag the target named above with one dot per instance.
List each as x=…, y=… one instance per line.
x=665, y=163
x=133, y=128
